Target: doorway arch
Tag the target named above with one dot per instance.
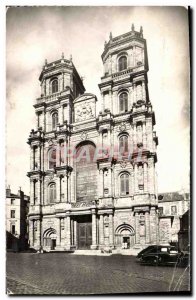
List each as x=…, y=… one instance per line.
x=49, y=238
x=125, y=236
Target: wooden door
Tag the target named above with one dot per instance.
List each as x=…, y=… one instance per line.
x=84, y=235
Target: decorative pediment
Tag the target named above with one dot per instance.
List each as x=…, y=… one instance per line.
x=84, y=97
x=84, y=107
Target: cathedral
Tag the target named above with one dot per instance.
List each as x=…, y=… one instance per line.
x=92, y=173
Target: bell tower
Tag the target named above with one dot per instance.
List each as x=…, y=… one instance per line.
x=128, y=118
x=125, y=64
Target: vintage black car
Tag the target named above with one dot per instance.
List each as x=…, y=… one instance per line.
x=161, y=255
x=145, y=250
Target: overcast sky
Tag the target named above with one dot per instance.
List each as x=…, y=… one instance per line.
x=34, y=34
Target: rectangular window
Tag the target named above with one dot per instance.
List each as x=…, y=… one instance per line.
x=160, y=211
x=12, y=214
x=174, y=210
x=12, y=201
x=13, y=230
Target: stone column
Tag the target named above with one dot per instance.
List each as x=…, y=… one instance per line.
x=137, y=228
x=143, y=91
x=68, y=244
x=94, y=230
x=135, y=179
x=58, y=189
x=101, y=183
x=112, y=182
x=59, y=232
x=101, y=231
x=134, y=93
x=132, y=180
x=151, y=176
x=31, y=191
x=153, y=225
x=147, y=221
x=64, y=188
x=145, y=169
x=75, y=233
x=39, y=157
x=109, y=180
x=42, y=191
x=31, y=229
x=111, y=231
x=61, y=114
x=38, y=234
x=72, y=232
x=32, y=157
x=111, y=102
x=134, y=136
x=39, y=183
x=69, y=193
x=144, y=134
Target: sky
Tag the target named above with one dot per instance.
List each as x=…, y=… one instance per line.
x=34, y=34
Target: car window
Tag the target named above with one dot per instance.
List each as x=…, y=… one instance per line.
x=164, y=249
x=173, y=251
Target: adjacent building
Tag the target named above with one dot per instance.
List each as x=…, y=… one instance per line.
x=172, y=206
x=92, y=176
x=17, y=207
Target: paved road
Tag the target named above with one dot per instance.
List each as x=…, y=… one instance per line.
x=61, y=273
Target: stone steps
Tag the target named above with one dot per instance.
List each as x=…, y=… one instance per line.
x=90, y=252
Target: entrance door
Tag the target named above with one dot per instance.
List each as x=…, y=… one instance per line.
x=53, y=244
x=126, y=242
x=84, y=235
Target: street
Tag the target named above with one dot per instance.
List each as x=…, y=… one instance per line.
x=62, y=273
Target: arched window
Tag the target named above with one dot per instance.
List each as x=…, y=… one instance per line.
x=124, y=184
x=123, y=144
x=52, y=193
x=55, y=86
x=86, y=172
x=123, y=102
x=52, y=158
x=54, y=120
x=122, y=63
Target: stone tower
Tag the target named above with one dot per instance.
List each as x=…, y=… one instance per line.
x=105, y=200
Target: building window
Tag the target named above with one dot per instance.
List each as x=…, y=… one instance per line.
x=123, y=145
x=124, y=184
x=54, y=120
x=52, y=193
x=12, y=201
x=13, y=229
x=174, y=210
x=123, y=101
x=12, y=214
x=52, y=158
x=122, y=63
x=160, y=211
x=55, y=86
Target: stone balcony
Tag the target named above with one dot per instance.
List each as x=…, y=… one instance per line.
x=53, y=97
x=49, y=98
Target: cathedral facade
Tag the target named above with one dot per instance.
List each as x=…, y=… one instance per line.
x=92, y=174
